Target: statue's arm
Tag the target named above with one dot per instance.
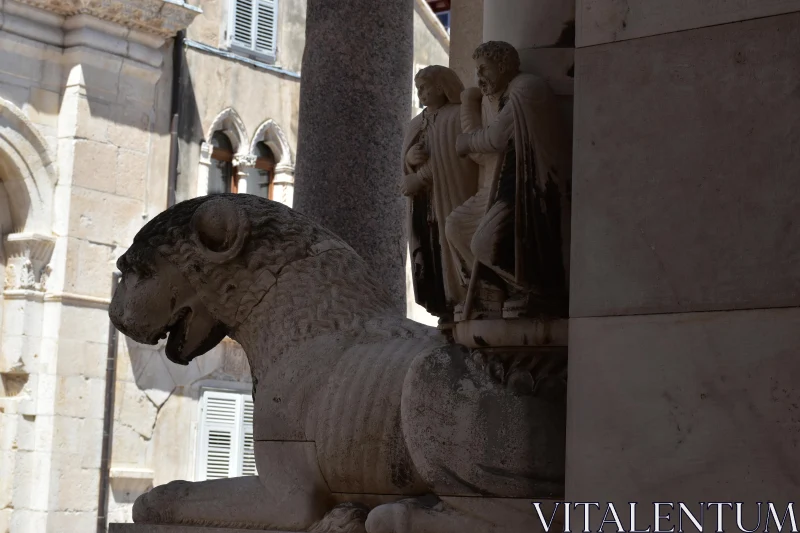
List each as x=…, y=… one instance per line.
x=471, y=119
x=494, y=137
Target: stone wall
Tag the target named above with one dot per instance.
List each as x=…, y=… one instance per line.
x=683, y=249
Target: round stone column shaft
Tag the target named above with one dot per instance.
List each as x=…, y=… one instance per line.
x=355, y=101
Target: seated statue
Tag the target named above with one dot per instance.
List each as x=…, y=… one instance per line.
x=362, y=419
x=514, y=226
x=436, y=180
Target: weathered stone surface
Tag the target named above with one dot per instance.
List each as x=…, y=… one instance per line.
x=556, y=65
x=541, y=24
x=603, y=21
x=356, y=399
x=466, y=33
x=677, y=407
x=353, y=108
x=685, y=156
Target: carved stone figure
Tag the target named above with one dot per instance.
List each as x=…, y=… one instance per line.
x=353, y=404
x=44, y=277
x=436, y=180
x=515, y=227
x=27, y=277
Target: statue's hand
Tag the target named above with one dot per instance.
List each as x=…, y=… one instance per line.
x=462, y=144
x=412, y=184
x=471, y=95
x=417, y=155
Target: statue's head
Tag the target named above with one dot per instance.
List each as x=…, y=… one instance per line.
x=496, y=64
x=438, y=85
x=196, y=271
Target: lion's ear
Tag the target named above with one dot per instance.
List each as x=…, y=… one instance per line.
x=221, y=229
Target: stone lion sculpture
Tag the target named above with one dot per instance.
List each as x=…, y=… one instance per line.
x=364, y=420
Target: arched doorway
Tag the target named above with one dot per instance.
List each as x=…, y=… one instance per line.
x=27, y=184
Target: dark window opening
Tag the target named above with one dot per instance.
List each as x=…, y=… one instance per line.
x=222, y=173
x=265, y=166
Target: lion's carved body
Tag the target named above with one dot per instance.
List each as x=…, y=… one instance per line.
x=350, y=399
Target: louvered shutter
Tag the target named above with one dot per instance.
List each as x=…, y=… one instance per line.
x=253, y=25
x=248, y=452
x=218, y=435
x=226, y=436
x=265, y=27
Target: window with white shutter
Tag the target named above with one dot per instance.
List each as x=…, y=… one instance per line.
x=252, y=27
x=226, y=436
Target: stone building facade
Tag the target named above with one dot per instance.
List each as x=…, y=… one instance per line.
x=89, y=151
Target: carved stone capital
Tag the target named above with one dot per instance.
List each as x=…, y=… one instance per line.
x=205, y=153
x=28, y=257
x=160, y=17
x=244, y=160
x=284, y=168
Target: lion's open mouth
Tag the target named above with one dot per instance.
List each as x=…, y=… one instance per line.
x=176, y=341
x=185, y=341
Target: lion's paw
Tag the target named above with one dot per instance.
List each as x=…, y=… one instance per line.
x=399, y=516
x=157, y=506
x=344, y=518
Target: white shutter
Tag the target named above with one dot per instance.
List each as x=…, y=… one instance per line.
x=248, y=452
x=226, y=436
x=217, y=435
x=242, y=26
x=266, y=21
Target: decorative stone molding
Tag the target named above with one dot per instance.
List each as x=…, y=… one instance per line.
x=273, y=136
x=160, y=17
x=28, y=161
x=28, y=255
x=230, y=123
x=285, y=172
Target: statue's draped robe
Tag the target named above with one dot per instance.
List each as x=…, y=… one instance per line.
x=532, y=198
x=437, y=270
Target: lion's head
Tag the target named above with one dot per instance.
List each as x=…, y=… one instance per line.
x=197, y=270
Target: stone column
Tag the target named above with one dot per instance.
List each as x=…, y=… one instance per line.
x=354, y=105
x=204, y=169
x=283, y=184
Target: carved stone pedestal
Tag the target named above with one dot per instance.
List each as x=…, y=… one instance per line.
x=152, y=528
x=518, y=516
x=521, y=332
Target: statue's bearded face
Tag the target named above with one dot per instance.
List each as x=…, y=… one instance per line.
x=491, y=76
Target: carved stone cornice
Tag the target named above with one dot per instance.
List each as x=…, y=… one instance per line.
x=160, y=17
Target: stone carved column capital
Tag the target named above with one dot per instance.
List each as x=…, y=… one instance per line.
x=27, y=261
x=205, y=153
x=284, y=168
x=244, y=160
